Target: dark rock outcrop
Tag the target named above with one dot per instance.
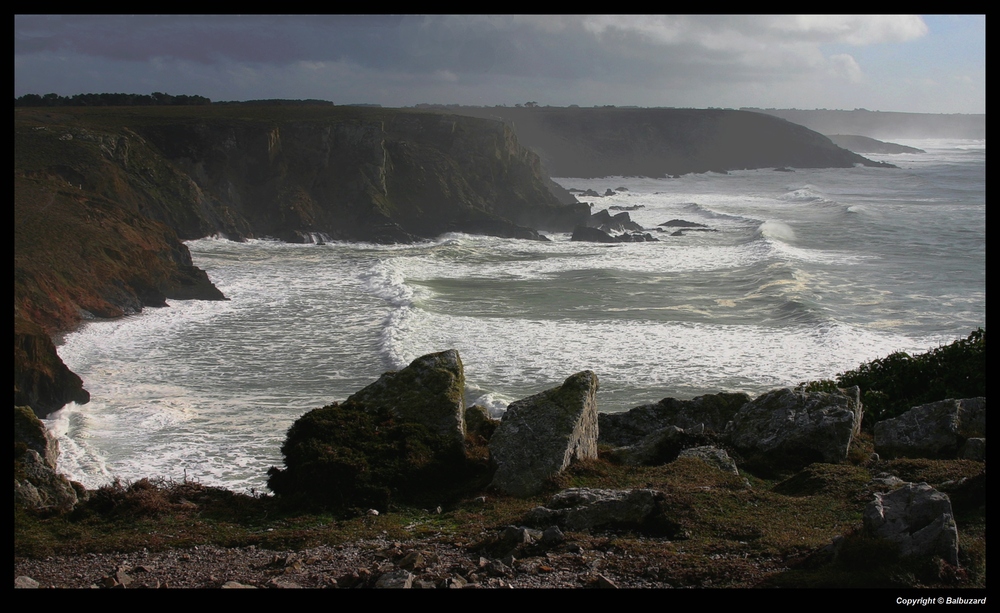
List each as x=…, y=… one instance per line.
x=41, y=379
x=479, y=423
x=680, y=223
x=630, y=427
x=794, y=427
x=664, y=446
x=592, y=235
x=37, y=484
x=541, y=435
x=936, y=430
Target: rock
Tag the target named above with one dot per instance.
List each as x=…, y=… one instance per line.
x=974, y=449
x=397, y=579
x=918, y=518
x=25, y=583
x=479, y=423
x=622, y=222
x=935, y=430
x=32, y=433
x=552, y=536
x=591, y=235
x=797, y=427
x=659, y=447
x=430, y=392
x=540, y=435
x=41, y=379
x=39, y=487
x=605, y=583
x=402, y=436
x=712, y=410
x=713, y=456
x=680, y=223
x=886, y=481
x=413, y=560
x=578, y=509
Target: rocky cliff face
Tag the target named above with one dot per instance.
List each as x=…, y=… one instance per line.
x=364, y=174
x=103, y=198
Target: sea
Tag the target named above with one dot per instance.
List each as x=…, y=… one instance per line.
x=790, y=277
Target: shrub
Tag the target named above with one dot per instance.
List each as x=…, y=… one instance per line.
x=892, y=385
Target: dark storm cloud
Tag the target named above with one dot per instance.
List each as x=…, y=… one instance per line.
x=646, y=60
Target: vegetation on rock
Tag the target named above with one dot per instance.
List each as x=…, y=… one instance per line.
x=345, y=457
x=892, y=385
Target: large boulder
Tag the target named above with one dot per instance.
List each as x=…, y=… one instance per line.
x=402, y=437
x=917, y=517
x=795, y=427
x=430, y=392
x=935, y=430
x=628, y=428
x=540, y=435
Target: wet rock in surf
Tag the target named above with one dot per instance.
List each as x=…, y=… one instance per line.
x=541, y=435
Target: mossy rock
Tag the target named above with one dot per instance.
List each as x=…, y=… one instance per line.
x=343, y=457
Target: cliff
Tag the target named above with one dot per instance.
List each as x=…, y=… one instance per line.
x=863, y=144
x=654, y=142
x=879, y=124
x=104, y=197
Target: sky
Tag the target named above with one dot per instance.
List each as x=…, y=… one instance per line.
x=925, y=64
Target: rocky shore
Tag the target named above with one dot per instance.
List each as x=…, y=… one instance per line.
x=553, y=495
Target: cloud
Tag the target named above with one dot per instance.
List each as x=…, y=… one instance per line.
x=842, y=65
x=686, y=60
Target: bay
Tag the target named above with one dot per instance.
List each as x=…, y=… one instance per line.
x=795, y=276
